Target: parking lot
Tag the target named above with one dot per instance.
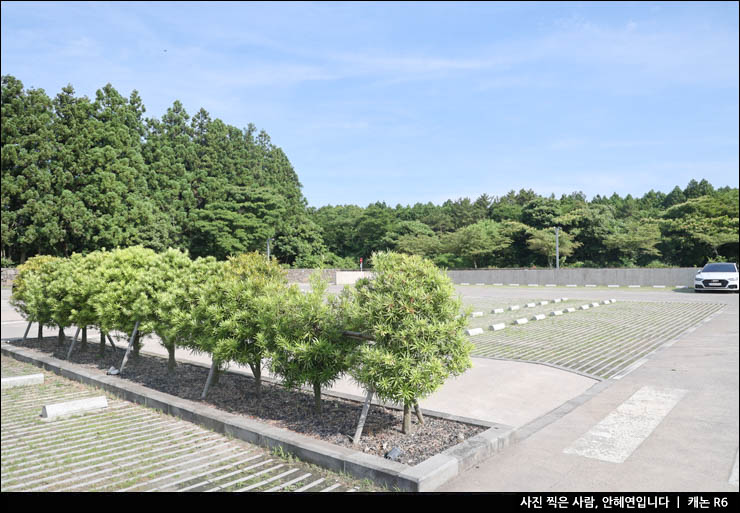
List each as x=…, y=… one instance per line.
x=537, y=377
x=127, y=447
x=600, y=341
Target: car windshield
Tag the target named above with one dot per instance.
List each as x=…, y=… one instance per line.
x=719, y=268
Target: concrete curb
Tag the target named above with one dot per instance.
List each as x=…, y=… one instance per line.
x=423, y=477
x=22, y=381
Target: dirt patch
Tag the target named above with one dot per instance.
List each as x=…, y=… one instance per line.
x=279, y=406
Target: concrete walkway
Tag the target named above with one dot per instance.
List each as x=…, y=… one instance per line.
x=673, y=421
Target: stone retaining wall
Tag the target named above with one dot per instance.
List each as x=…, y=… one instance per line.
x=303, y=275
x=669, y=277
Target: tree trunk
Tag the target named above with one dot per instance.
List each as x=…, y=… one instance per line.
x=27, y=330
x=257, y=373
x=83, y=343
x=216, y=374
x=101, y=348
x=41, y=333
x=317, y=398
x=137, y=345
x=406, y=419
x=171, y=363
x=112, y=344
x=419, y=416
x=60, y=337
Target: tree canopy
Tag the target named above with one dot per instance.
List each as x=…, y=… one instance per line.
x=82, y=174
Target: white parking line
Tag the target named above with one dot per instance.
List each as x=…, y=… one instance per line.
x=622, y=431
x=311, y=485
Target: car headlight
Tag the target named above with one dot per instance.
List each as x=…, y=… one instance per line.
x=697, y=278
x=734, y=278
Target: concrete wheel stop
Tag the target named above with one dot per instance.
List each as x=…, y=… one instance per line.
x=423, y=477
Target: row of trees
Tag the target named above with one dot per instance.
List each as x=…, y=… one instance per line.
x=400, y=335
x=686, y=227
x=79, y=174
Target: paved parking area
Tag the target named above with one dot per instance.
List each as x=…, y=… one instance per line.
x=692, y=376
x=128, y=447
x=600, y=342
x=671, y=424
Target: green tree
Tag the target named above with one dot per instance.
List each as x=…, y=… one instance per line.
x=636, y=241
x=696, y=189
x=173, y=279
x=306, y=336
x=127, y=296
x=30, y=189
x=541, y=213
x=224, y=320
x=410, y=309
x=591, y=225
x=479, y=242
x=241, y=222
x=701, y=228
x=372, y=226
x=29, y=290
x=425, y=245
x=83, y=290
x=543, y=242
x=338, y=225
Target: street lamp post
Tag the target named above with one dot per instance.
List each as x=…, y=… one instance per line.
x=557, y=247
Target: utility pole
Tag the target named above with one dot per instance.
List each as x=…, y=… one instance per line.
x=557, y=247
x=268, y=248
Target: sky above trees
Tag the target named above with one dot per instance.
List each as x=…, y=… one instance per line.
x=419, y=102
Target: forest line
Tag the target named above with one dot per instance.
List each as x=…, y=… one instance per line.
x=81, y=174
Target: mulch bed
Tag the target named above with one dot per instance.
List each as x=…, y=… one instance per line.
x=281, y=407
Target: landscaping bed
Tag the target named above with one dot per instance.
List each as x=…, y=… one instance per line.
x=280, y=407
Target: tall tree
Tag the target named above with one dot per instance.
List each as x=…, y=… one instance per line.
x=30, y=189
x=543, y=242
x=479, y=242
x=635, y=241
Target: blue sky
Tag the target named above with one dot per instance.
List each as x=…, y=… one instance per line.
x=417, y=102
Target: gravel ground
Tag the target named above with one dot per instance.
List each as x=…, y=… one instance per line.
x=289, y=409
